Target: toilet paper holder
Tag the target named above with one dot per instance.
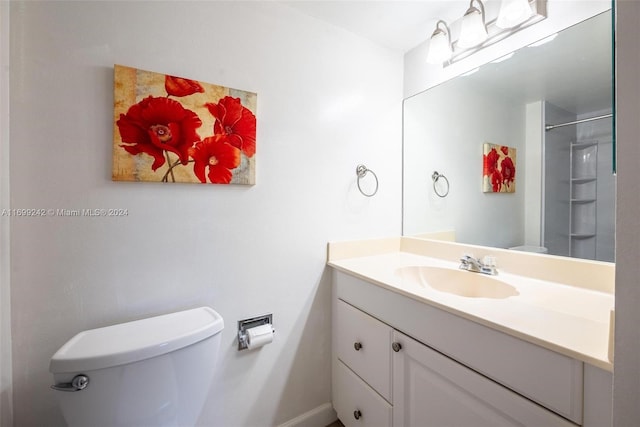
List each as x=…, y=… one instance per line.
x=245, y=324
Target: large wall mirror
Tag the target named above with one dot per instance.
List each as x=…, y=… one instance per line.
x=551, y=102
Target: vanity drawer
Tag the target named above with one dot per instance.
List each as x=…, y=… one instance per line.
x=356, y=404
x=363, y=343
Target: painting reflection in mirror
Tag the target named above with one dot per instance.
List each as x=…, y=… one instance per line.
x=498, y=168
x=552, y=103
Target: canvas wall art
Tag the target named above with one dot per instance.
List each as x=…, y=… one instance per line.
x=173, y=129
x=499, y=169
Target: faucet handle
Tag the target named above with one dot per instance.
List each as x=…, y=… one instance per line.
x=466, y=257
x=489, y=261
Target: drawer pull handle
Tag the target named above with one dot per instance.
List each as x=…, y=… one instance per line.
x=396, y=346
x=357, y=346
x=357, y=414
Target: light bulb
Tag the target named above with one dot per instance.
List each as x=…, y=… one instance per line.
x=439, y=45
x=513, y=13
x=439, y=48
x=473, y=31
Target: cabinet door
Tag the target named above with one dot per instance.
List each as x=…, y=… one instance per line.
x=431, y=390
x=363, y=344
x=357, y=404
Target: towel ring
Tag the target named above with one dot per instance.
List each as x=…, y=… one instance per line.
x=435, y=177
x=362, y=171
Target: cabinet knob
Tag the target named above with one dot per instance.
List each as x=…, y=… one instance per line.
x=396, y=346
x=357, y=346
x=357, y=414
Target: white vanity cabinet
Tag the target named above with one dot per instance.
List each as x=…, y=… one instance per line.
x=443, y=370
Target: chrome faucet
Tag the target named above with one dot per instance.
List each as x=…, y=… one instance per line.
x=469, y=263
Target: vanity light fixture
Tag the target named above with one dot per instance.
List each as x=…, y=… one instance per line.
x=479, y=28
x=439, y=44
x=473, y=30
x=513, y=13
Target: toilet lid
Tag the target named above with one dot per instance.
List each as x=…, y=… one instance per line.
x=133, y=341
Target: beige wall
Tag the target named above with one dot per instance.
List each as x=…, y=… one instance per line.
x=627, y=342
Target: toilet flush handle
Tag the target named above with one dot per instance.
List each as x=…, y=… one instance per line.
x=78, y=383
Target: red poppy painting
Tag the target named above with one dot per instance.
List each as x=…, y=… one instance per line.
x=174, y=129
x=498, y=168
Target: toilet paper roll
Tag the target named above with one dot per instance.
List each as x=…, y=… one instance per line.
x=259, y=336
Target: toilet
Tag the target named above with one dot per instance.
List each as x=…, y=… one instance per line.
x=530, y=248
x=150, y=372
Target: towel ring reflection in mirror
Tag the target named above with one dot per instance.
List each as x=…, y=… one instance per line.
x=362, y=171
x=436, y=177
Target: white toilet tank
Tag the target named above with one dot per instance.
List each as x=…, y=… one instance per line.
x=150, y=372
x=530, y=248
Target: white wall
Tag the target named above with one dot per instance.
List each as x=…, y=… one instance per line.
x=626, y=392
x=5, y=292
x=533, y=186
x=327, y=100
x=435, y=141
x=419, y=76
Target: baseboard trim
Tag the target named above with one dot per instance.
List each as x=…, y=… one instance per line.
x=320, y=416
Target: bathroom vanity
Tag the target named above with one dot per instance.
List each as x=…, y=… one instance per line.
x=418, y=342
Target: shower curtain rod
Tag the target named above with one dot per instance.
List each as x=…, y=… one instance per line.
x=605, y=116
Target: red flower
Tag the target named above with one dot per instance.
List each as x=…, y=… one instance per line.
x=154, y=125
x=505, y=150
x=496, y=181
x=177, y=86
x=236, y=122
x=508, y=170
x=491, y=162
x=218, y=155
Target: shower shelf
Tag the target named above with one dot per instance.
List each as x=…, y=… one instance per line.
x=583, y=198
x=584, y=144
x=583, y=180
x=582, y=235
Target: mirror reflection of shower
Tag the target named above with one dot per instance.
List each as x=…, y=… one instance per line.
x=579, y=204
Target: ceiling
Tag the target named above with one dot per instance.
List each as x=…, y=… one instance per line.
x=396, y=24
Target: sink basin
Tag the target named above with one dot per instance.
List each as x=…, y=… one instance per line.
x=458, y=282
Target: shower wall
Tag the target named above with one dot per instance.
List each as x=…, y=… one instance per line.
x=579, y=203
x=600, y=132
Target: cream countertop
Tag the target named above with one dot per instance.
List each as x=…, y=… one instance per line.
x=569, y=318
